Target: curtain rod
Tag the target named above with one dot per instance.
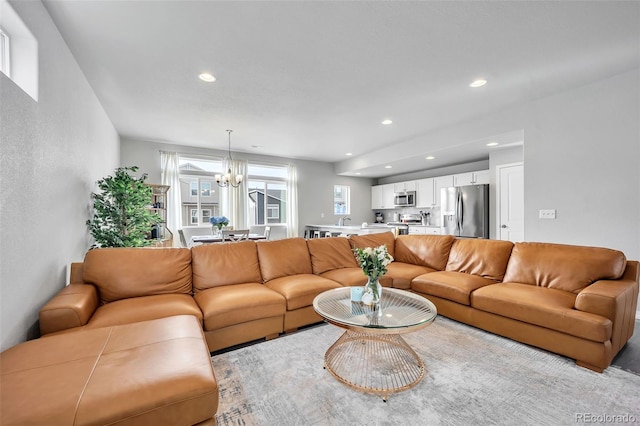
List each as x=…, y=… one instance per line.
x=207, y=157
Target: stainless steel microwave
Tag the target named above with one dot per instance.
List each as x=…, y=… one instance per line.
x=405, y=199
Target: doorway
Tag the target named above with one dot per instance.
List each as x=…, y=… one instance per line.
x=510, y=202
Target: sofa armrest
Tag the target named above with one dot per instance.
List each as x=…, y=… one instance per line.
x=616, y=300
x=606, y=297
x=71, y=307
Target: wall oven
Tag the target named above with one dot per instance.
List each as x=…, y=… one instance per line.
x=405, y=199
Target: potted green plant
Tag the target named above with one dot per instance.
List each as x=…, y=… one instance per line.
x=121, y=216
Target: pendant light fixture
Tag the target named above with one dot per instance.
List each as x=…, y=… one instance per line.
x=229, y=179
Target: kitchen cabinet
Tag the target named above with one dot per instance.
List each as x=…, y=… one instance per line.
x=382, y=196
x=482, y=177
x=471, y=178
x=376, y=197
x=388, y=196
x=423, y=230
x=425, y=193
x=404, y=186
x=439, y=183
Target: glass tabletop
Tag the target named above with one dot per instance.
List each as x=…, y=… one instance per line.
x=399, y=309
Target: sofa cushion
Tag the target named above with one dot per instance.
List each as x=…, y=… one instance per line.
x=122, y=273
x=144, y=308
x=547, y=307
x=450, y=285
x=300, y=290
x=563, y=267
x=227, y=305
x=349, y=276
x=330, y=253
x=374, y=240
x=223, y=264
x=148, y=373
x=401, y=274
x=281, y=258
x=431, y=251
x=484, y=258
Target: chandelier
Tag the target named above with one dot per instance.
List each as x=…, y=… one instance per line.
x=229, y=179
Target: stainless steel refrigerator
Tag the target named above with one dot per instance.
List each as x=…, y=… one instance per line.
x=465, y=211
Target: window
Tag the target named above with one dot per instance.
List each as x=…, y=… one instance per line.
x=5, y=54
x=18, y=51
x=273, y=211
x=267, y=194
x=198, y=190
x=205, y=189
x=341, y=199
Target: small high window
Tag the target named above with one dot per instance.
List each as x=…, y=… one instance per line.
x=5, y=53
x=341, y=199
x=18, y=51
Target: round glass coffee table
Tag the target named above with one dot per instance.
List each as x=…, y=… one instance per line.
x=371, y=356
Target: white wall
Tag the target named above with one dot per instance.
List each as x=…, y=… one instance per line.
x=51, y=153
x=315, y=180
x=582, y=158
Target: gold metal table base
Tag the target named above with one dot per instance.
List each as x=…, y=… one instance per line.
x=381, y=364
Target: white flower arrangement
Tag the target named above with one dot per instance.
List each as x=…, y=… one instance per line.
x=373, y=261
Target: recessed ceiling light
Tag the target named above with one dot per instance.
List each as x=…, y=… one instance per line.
x=205, y=76
x=358, y=173
x=257, y=146
x=386, y=122
x=387, y=167
x=492, y=144
x=348, y=154
x=431, y=157
x=478, y=83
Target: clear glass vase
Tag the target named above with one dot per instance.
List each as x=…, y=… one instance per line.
x=374, y=289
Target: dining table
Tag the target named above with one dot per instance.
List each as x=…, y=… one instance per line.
x=211, y=239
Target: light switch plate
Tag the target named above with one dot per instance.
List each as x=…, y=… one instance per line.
x=547, y=214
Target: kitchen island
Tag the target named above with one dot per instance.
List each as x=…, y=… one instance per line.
x=346, y=230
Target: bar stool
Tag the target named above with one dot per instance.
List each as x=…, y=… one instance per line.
x=316, y=234
x=327, y=234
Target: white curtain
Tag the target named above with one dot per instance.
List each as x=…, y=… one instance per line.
x=292, y=201
x=171, y=176
x=234, y=206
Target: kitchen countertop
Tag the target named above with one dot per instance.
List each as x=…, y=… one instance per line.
x=352, y=229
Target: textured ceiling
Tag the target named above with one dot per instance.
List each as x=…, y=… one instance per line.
x=313, y=80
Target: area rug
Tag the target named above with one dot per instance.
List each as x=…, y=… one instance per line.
x=472, y=377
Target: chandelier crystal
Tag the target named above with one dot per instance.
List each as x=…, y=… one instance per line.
x=228, y=179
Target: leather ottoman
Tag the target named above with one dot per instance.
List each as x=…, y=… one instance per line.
x=148, y=373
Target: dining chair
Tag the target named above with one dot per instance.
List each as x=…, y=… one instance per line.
x=237, y=235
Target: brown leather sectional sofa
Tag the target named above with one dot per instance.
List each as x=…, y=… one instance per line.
x=576, y=301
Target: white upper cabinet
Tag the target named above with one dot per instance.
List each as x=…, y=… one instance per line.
x=425, y=193
x=405, y=186
x=427, y=190
x=376, y=197
x=439, y=183
x=482, y=177
x=471, y=178
x=382, y=196
x=388, y=196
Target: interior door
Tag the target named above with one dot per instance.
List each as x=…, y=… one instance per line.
x=511, y=202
